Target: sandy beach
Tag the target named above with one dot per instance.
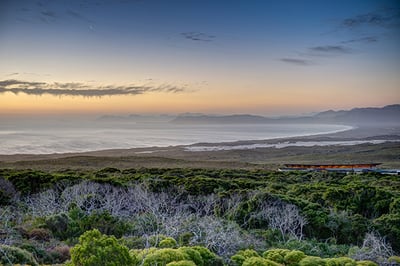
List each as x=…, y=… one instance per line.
x=361, y=144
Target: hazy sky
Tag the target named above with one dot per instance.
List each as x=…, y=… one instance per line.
x=171, y=56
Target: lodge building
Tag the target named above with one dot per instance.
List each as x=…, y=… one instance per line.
x=359, y=167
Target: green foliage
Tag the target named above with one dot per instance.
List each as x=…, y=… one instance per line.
x=168, y=242
x=7, y=191
x=389, y=226
x=208, y=257
x=76, y=222
x=13, y=255
x=95, y=248
x=312, y=261
x=59, y=224
x=366, y=263
x=293, y=257
x=395, y=259
x=164, y=256
x=342, y=261
x=242, y=255
x=182, y=263
x=276, y=255
x=193, y=254
x=316, y=248
x=133, y=242
x=339, y=208
x=258, y=261
x=30, y=182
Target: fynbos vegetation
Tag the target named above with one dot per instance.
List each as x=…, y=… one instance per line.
x=198, y=217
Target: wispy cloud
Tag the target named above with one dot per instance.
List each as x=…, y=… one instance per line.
x=330, y=50
x=386, y=18
x=13, y=74
x=48, y=16
x=77, y=15
x=198, y=36
x=368, y=39
x=80, y=89
x=296, y=61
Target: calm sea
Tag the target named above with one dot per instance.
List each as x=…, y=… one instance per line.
x=62, y=139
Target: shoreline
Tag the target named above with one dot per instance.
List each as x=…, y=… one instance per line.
x=270, y=157
x=228, y=142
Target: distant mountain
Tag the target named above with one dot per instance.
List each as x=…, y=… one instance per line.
x=136, y=118
x=357, y=116
x=387, y=114
x=227, y=119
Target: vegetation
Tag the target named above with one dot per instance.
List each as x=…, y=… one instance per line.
x=198, y=217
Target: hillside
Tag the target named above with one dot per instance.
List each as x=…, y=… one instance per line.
x=357, y=116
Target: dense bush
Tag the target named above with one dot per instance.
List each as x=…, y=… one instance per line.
x=164, y=256
x=312, y=261
x=258, y=261
x=13, y=255
x=95, y=249
x=293, y=257
x=193, y=254
x=276, y=255
x=168, y=242
x=319, y=214
x=182, y=263
x=242, y=255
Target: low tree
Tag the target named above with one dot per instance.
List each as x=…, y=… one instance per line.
x=96, y=249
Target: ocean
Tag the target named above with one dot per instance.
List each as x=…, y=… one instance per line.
x=66, y=138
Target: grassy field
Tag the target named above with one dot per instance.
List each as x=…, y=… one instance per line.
x=172, y=157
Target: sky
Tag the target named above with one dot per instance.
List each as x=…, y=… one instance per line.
x=261, y=57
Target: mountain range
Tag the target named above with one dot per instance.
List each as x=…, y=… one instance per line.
x=389, y=114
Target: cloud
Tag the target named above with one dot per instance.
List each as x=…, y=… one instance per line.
x=330, y=49
x=368, y=39
x=77, y=15
x=296, y=61
x=47, y=16
x=386, y=18
x=13, y=74
x=80, y=89
x=198, y=36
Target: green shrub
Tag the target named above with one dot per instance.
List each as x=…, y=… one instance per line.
x=76, y=222
x=209, y=258
x=293, y=257
x=168, y=242
x=258, y=261
x=97, y=249
x=164, y=256
x=395, y=259
x=193, y=254
x=13, y=255
x=312, y=261
x=366, y=263
x=182, y=263
x=133, y=242
x=276, y=255
x=342, y=261
x=139, y=255
x=184, y=238
x=315, y=248
x=58, y=225
x=155, y=240
x=242, y=255
x=40, y=255
x=7, y=191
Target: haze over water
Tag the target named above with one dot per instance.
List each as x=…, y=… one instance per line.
x=99, y=136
